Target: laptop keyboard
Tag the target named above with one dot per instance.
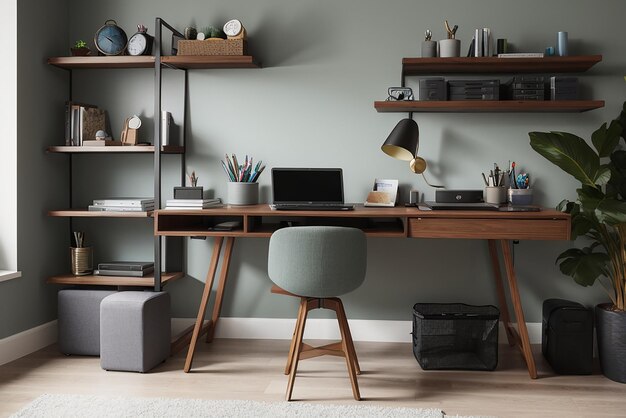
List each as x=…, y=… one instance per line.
x=312, y=206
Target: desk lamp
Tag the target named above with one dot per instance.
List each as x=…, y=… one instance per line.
x=403, y=144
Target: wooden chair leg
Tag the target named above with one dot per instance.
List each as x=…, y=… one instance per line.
x=297, y=349
x=350, y=355
x=299, y=321
x=341, y=316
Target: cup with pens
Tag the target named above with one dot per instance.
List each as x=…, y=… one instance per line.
x=520, y=192
x=243, y=188
x=495, y=189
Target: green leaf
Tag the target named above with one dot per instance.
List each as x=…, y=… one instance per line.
x=583, y=265
x=605, y=140
x=581, y=225
x=569, y=152
x=617, y=184
x=604, y=175
x=596, y=204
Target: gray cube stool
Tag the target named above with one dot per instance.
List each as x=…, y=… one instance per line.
x=134, y=330
x=79, y=321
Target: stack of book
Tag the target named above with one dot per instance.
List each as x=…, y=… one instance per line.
x=82, y=121
x=528, y=87
x=125, y=268
x=123, y=204
x=192, y=204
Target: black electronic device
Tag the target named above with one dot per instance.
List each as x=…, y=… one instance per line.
x=432, y=88
x=188, y=193
x=308, y=189
x=473, y=89
x=458, y=196
x=567, y=336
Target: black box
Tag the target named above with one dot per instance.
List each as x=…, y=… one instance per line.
x=433, y=88
x=567, y=336
x=455, y=336
x=458, y=196
x=188, y=193
x=474, y=90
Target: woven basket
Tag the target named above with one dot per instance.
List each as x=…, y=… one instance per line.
x=212, y=46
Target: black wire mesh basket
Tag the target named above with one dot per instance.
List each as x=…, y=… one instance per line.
x=455, y=336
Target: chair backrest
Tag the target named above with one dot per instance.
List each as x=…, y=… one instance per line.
x=318, y=261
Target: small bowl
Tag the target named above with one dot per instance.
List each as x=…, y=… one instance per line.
x=520, y=196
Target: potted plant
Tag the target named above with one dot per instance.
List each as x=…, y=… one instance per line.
x=80, y=48
x=599, y=214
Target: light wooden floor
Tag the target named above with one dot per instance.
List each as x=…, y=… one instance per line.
x=252, y=369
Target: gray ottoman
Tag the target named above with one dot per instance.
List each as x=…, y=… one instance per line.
x=134, y=330
x=79, y=321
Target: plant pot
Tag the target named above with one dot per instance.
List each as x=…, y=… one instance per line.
x=80, y=52
x=611, y=332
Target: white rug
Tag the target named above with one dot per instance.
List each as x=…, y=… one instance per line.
x=68, y=406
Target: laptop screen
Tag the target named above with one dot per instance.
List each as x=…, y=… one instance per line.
x=307, y=185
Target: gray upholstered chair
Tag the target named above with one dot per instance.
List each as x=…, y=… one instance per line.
x=317, y=264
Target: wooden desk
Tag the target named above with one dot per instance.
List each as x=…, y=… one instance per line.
x=400, y=222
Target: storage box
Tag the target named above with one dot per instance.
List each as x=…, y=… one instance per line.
x=567, y=336
x=213, y=46
x=455, y=336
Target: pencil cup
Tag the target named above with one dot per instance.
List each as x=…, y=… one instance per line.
x=82, y=260
x=450, y=48
x=521, y=196
x=495, y=194
x=243, y=193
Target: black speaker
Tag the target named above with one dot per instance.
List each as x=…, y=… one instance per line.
x=567, y=336
x=458, y=196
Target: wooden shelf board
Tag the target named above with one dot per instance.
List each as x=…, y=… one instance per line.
x=210, y=61
x=123, y=61
x=113, y=280
x=489, y=106
x=179, y=61
x=475, y=65
x=84, y=213
x=167, y=149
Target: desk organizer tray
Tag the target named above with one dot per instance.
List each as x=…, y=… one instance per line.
x=213, y=46
x=455, y=336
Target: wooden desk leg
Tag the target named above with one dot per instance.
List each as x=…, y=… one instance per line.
x=208, y=285
x=217, y=306
x=517, y=305
x=504, y=307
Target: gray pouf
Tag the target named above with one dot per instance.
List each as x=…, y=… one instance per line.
x=134, y=330
x=79, y=321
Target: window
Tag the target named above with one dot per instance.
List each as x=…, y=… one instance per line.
x=8, y=143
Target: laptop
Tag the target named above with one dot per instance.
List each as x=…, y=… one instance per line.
x=308, y=189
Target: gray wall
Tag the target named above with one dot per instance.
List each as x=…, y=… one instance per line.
x=324, y=64
x=42, y=179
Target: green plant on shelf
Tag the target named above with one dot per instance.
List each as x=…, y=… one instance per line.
x=80, y=44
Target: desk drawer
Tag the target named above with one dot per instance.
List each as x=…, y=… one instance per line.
x=525, y=229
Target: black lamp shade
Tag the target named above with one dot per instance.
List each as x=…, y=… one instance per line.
x=403, y=142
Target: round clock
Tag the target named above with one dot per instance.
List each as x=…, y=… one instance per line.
x=110, y=39
x=233, y=28
x=140, y=43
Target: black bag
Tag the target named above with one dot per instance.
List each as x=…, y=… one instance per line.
x=567, y=336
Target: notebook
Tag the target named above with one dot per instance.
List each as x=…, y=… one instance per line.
x=308, y=189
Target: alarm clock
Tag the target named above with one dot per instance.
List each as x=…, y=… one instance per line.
x=140, y=43
x=110, y=39
x=234, y=29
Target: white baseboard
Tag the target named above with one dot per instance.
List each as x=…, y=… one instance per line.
x=29, y=341
x=26, y=342
x=324, y=329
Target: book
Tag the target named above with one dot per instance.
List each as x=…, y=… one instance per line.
x=383, y=194
x=126, y=265
x=106, y=143
x=124, y=201
x=522, y=55
x=191, y=202
x=73, y=121
x=131, y=273
x=217, y=205
x=101, y=208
